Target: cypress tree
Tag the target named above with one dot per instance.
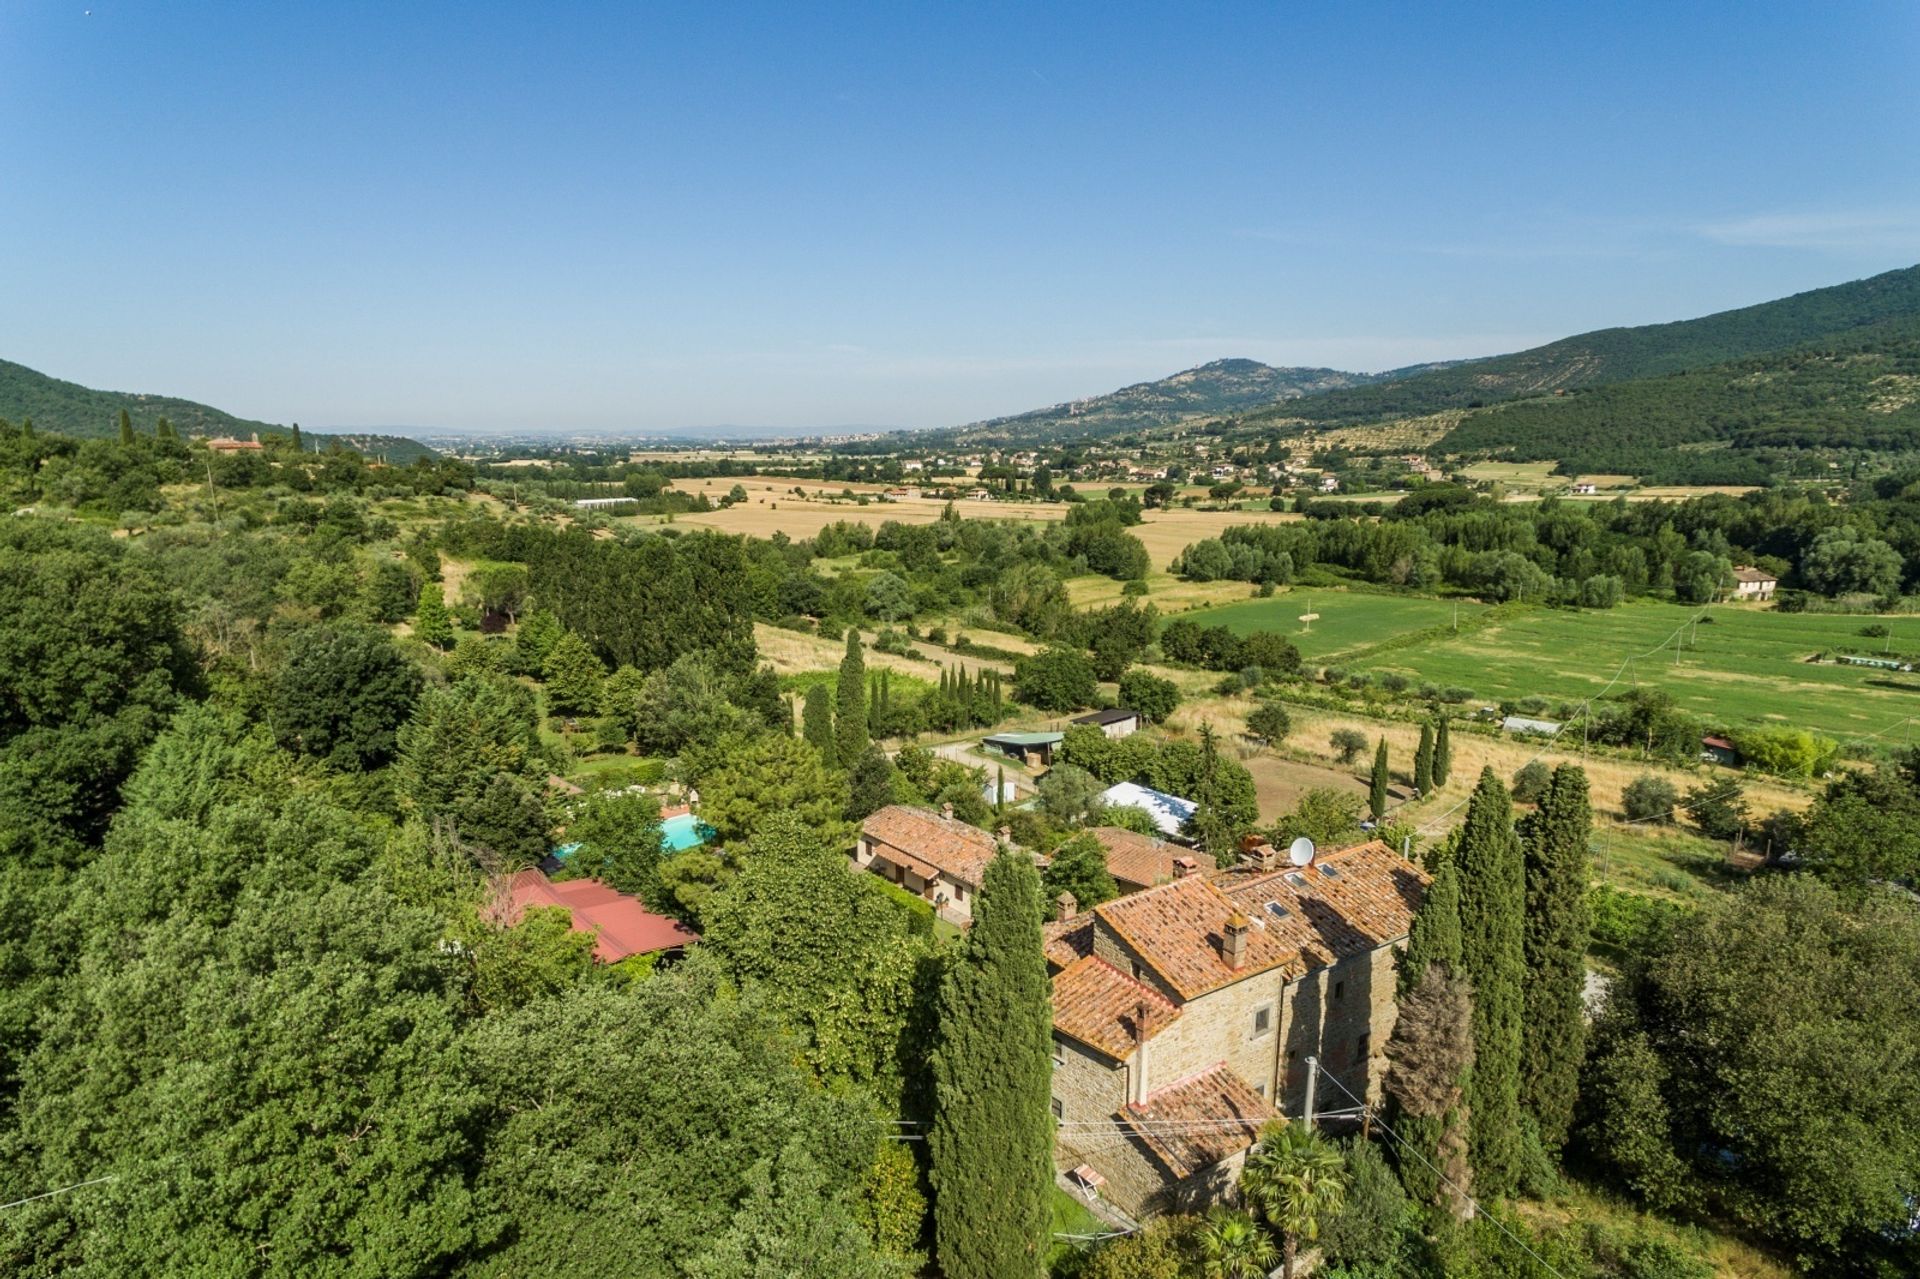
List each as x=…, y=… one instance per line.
x=1428, y=1086
x=991, y=1140
x=816, y=724
x=1555, y=935
x=1442, y=754
x=1377, y=792
x=1435, y=936
x=126, y=428
x=850, y=703
x=1492, y=950
x=163, y=430
x=1423, y=761
x=298, y=447
x=1000, y=791
x=430, y=620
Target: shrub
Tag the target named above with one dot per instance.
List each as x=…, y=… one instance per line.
x=1348, y=743
x=1530, y=783
x=1649, y=799
x=1454, y=693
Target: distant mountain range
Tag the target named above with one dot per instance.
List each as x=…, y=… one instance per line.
x=67, y=408
x=1211, y=390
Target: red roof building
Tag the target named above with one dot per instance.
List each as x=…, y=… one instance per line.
x=621, y=925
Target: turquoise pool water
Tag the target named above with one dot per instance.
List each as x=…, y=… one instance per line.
x=683, y=831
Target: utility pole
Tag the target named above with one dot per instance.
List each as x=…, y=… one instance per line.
x=1313, y=1077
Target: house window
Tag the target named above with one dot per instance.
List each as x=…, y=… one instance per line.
x=1059, y=1053
x=1262, y=1021
x=1360, y=1046
x=1059, y=1110
x=1339, y=990
x=1260, y=1090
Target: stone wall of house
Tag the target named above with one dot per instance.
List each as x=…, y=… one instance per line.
x=1090, y=1090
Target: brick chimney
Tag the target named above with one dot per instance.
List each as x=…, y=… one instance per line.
x=1258, y=854
x=1234, y=943
x=1184, y=866
x=1137, y=1085
x=1065, y=906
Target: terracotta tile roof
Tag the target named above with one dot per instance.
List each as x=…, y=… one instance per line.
x=956, y=849
x=621, y=925
x=1195, y=1123
x=1748, y=573
x=1348, y=901
x=1068, y=939
x=1100, y=1006
x=1137, y=859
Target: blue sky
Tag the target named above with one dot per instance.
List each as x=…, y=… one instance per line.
x=606, y=217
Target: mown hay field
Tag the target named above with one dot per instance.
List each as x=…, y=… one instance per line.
x=1737, y=666
x=1348, y=620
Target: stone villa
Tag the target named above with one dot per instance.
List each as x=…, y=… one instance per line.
x=1184, y=1014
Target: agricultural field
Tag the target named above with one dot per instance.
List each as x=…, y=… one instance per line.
x=1737, y=666
x=1348, y=621
x=771, y=507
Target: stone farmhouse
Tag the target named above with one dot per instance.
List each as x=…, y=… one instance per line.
x=1184, y=1015
x=1750, y=583
x=933, y=855
x=1139, y=861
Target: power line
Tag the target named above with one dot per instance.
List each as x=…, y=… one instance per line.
x=61, y=1191
x=1454, y=1186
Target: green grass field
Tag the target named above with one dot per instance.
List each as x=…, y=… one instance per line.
x=1746, y=667
x=1349, y=620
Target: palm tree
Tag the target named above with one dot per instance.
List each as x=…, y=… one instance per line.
x=1232, y=1246
x=1296, y=1180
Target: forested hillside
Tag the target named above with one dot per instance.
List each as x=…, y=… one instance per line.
x=67, y=408
x=1858, y=390
x=1223, y=386
x=1625, y=354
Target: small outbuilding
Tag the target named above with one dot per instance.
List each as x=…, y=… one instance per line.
x=1116, y=722
x=1028, y=748
x=1169, y=812
x=1522, y=725
x=1718, y=750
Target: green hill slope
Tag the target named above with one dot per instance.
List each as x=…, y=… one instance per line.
x=1624, y=354
x=1211, y=390
x=67, y=408
x=1859, y=389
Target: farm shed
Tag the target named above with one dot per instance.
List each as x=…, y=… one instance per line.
x=1719, y=750
x=1521, y=724
x=1025, y=747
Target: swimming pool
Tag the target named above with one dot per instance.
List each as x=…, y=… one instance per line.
x=683, y=831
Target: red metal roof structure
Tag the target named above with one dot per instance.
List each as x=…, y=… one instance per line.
x=622, y=926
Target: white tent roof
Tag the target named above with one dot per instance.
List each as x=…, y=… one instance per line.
x=1169, y=812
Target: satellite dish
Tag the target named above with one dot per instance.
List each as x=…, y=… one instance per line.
x=1300, y=852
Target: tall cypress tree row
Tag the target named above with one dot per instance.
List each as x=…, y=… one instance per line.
x=816, y=724
x=1493, y=894
x=991, y=1140
x=1426, y=1082
x=1423, y=761
x=1442, y=754
x=850, y=703
x=1377, y=791
x=1555, y=934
